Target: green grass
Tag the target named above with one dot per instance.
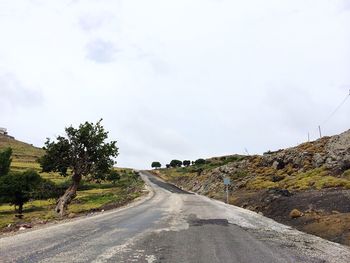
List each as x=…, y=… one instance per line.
x=91, y=196
x=100, y=195
x=34, y=211
x=314, y=179
x=346, y=174
x=317, y=179
x=260, y=182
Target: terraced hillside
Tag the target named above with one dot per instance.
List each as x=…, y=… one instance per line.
x=22, y=152
x=305, y=186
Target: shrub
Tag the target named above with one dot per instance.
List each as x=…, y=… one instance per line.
x=5, y=161
x=200, y=162
x=186, y=163
x=113, y=176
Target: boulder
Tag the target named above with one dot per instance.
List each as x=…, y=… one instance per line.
x=338, y=152
x=26, y=225
x=279, y=192
x=295, y=213
x=71, y=215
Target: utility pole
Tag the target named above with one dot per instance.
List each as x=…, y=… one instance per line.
x=246, y=151
x=308, y=136
x=227, y=194
x=227, y=182
x=319, y=129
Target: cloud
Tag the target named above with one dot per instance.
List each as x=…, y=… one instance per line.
x=91, y=22
x=101, y=51
x=345, y=5
x=14, y=95
x=176, y=79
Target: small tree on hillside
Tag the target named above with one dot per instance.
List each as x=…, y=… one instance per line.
x=199, y=162
x=83, y=151
x=113, y=176
x=19, y=188
x=186, y=163
x=175, y=163
x=156, y=165
x=5, y=161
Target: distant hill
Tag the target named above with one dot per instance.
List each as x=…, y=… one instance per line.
x=22, y=152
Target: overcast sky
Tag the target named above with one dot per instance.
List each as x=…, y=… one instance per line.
x=176, y=79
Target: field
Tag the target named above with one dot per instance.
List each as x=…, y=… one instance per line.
x=91, y=196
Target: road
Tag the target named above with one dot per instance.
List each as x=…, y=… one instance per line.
x=170, y=225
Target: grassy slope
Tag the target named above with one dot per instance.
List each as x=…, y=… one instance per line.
x=22, y=152
x=90, y=196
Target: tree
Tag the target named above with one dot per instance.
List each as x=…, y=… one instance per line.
x=199, y=162
x=175, y=163
x=81, y=152
x=113, y=176
x=156, y=165
x=167, y=166
x=186, y=163
x=5, y=161
x=19, y=188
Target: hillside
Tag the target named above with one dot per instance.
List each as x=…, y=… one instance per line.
x=313, y=179
x=22, y=152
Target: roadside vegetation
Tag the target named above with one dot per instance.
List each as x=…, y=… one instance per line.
x=29, y=196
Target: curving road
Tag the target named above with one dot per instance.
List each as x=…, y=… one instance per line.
x=171, y=225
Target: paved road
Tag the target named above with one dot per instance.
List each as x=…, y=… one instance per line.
x=171, y=225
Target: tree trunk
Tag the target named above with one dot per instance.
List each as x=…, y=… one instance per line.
x=20, y=208
x=19, y=211
x=68, y=196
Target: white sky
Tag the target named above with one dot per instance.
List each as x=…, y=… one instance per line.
x=176, y=79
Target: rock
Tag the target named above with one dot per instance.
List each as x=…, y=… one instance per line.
x=278, y=164
x=9, y=225
x=295, y=213
x=279, y=192
x=318, y=160
x=335, y=212
x=71, y=215
x=102, y=210
x=26, y=226
x=277, y=178
x=338, y=152
x=22, y=228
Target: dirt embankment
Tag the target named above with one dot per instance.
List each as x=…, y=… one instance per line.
x=325, y=213
x=307, y=187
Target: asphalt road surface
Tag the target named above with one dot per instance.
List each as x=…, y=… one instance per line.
x=170, y=225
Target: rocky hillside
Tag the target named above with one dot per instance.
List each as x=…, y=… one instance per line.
x=305, y=186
